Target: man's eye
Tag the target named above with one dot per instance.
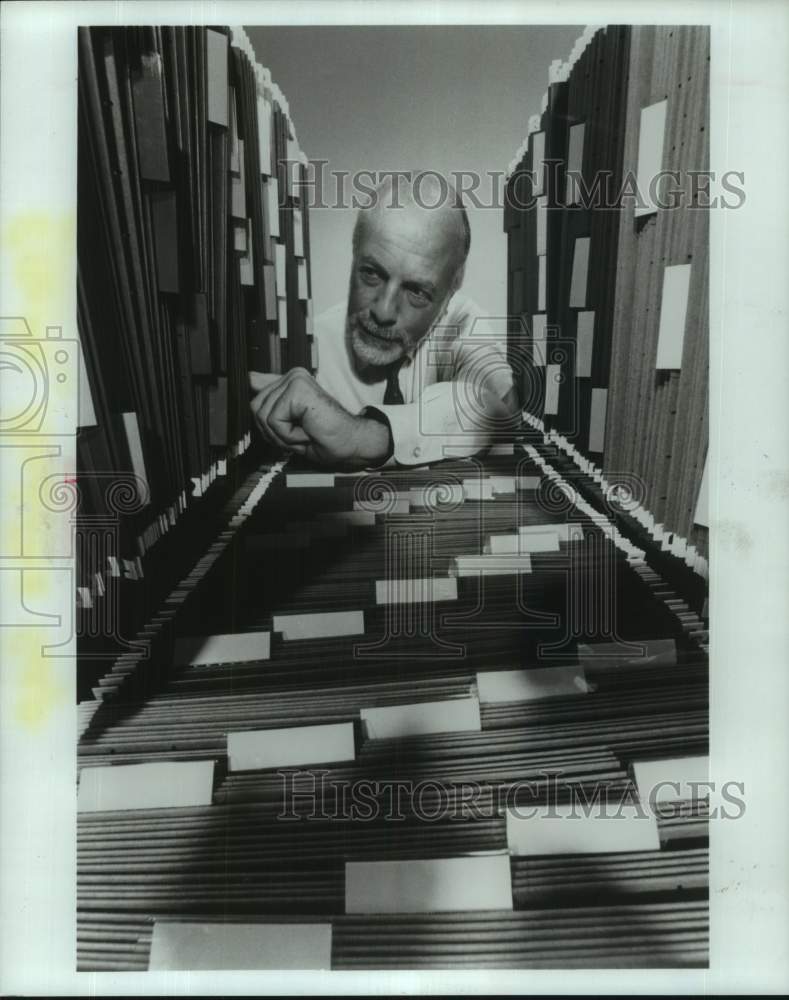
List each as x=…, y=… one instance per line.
x=369, y=274
x=418, y=296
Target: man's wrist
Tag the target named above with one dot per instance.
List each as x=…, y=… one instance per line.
x=375, y=445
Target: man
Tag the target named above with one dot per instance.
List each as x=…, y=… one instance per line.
x=407, y=373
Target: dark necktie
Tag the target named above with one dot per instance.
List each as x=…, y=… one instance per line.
x=393, y=393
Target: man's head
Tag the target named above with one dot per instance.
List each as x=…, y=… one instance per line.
x=409, y=252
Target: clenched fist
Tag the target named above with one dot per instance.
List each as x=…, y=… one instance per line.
x=294, y=412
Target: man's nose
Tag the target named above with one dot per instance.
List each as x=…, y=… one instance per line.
x=383, y=311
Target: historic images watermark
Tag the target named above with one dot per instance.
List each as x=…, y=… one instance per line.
x=321, y=187
x=51, y=536
x=314, y=795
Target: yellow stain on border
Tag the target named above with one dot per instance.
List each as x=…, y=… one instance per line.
x=39, y=252
x=40, y=686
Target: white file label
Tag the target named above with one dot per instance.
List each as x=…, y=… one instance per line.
x=673, y=780
x=160, y=785
x=491, y=565
x=567, y=829
x=395, y=721
x=192, y=946
x=416, y=591
x=257, y=749
x=437, y=885
x=240, y=647
x=321, y=625
x=530, y=685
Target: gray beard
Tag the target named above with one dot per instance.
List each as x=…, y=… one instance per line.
x=367, y=362
x=370, y=371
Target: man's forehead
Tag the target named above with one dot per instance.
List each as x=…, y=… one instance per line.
x=422, y=231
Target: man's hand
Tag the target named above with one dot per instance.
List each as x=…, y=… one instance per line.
x=294, y=412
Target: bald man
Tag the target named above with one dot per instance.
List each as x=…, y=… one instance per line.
x=408, y=371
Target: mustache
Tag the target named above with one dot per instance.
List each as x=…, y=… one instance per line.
x=363, y=321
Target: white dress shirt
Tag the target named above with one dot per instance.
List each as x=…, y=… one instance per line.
x=439, y=382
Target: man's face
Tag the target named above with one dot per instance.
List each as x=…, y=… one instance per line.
x=402, y=277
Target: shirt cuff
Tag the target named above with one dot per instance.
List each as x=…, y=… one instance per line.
x=415, y=445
